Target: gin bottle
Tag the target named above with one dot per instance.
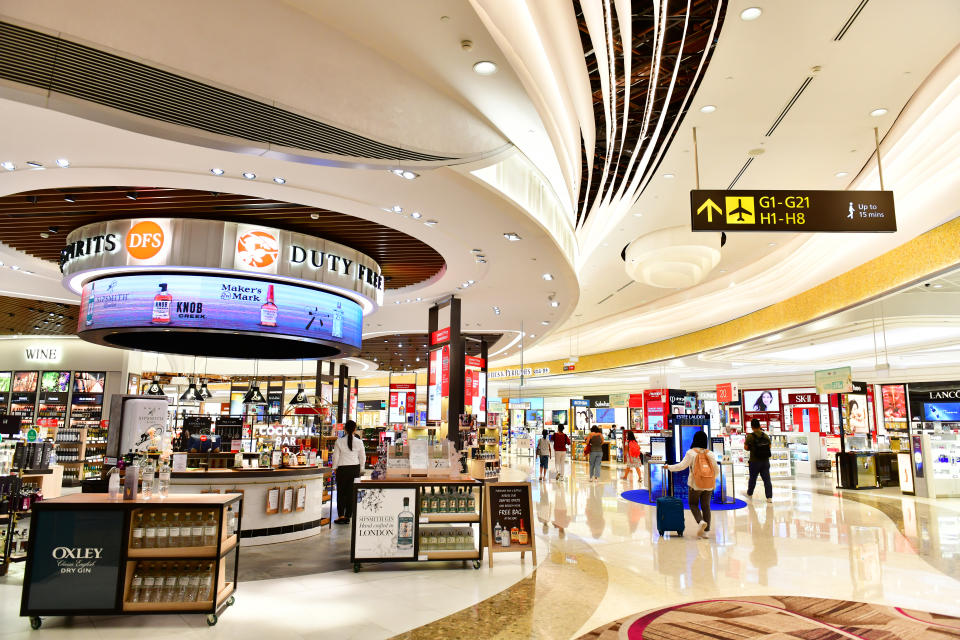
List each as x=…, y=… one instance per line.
x=150, y=532
x=163, y=531
x=196, y=530
x=405, y=526
x=136, y=585
x=174, y=536
x=170, y=584
x=136, y=541
x=210, y=530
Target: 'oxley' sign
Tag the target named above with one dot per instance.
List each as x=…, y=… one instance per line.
x=171, y=243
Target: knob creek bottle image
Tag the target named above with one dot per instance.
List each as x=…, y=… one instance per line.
x=268, y=310
x=161, y=305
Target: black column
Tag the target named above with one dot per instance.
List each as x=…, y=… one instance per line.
x=342, y=392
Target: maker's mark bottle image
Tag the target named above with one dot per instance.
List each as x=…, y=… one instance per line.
x=268, y=310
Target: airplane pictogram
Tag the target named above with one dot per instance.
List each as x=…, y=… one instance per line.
x=740, y=210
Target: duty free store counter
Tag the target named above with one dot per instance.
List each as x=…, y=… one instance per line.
x=261, y=524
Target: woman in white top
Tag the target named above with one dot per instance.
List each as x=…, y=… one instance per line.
x=348, y=461
x=699, y=496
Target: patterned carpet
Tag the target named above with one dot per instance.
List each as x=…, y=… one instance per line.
x=780, y=618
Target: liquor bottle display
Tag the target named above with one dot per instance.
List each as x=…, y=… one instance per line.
x=161, y=305
x=160, y=529
x=155, y=582
x=268, y=310
x=448, y=500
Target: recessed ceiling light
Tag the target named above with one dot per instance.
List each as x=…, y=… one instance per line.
x=409, y=175
x=476, y=251
x=131, y=195
x=638, y=215
x=34, y=163
x=771, y=244
x=481, y=261
x=279, y=180
x=750, y=13
x=394, y=302
x=533, y=335
x=396, y=208
x=708, y=108
x=512, y=237
x=471, y=281
x=9, y=166
x=840, y=174
x=314, y=216
x=485, y=68
x=544, y=322
x=216, y=171
x=554, y=304
x=69, y=198
x=63, y=162
x=419, y=299
x=430, y=223
x=547, y=276
x=723, y=270
x=668, y=176
x=249, y=175
x=16, y=268
x=876, y=113
x=416, y=215
x=44, y=235
x=938, y=286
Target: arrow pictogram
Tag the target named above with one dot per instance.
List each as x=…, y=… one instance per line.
x=710, y=206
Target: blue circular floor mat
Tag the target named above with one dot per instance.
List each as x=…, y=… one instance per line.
x=642, y=496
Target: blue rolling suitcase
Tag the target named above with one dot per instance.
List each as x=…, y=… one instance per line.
x=669, y=511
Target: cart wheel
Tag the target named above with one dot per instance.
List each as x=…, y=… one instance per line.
x=35, y=622
x=476, y=564
x=356, y=567
x=230, y=601
x=211, y=619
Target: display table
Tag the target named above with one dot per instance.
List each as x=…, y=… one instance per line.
x=50, y=480
x=857, y=470
x=87, y=555
x=409, y=520
x=304, y=518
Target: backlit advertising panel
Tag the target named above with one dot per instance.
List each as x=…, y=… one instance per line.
x=222, y=303
x=434, y=387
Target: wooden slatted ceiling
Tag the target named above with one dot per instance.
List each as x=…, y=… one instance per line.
x=399, y=352
x=403, y=259
x=36, y=318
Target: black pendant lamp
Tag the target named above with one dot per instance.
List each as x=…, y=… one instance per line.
x=253, y=395
x=191, y=394
x=300, y=397
x=204, y=391
x=155, y=389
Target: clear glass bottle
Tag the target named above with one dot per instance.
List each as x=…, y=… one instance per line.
x=194, y=588
x=163, y=479
x=136, y=585
x=183, y=584
x=210, y=530
x=424, y=502
x=136, y=540
x=442, y=501
x=206, y=581
x=174, y=533
x=149, y=583
x=163, y=531
x=147, y=479
x=170, y=584
x=471, y=502
x=150, y=532
x=434, y=500
x=196, y=529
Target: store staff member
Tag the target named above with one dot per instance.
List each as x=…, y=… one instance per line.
x=348, y=461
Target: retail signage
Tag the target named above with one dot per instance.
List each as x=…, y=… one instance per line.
x=169, y=243
x=727, y=393
x=434, y=387
x=468, y=388
x=516, y=373
x=55, y=382
x=677, y=396
x=579, y=403
x=52, y=397
x=88, y=382
x=598, y=402
x=403, y=401
x=384, y=523
x=75, y=560
x=838, y=380
x=42, y=353
x=569, y=366
x=796, y=211
x=23, y=398
x=619, y=400
x=445, y=371
x=803, y=398
x=441, y=335
x=474, y=361
x=218, y=303
x=509, y=505
x=524, y=406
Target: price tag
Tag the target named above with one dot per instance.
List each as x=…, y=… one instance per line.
x=398, y=463
x=179, y=462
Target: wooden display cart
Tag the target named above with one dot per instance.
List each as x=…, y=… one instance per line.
x=82, y=558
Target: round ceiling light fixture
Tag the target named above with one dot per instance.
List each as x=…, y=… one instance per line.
x=876, y=113
x=750, y=13
x=249, y=175
x=672, y=258
x=485, y=68
x=708, y=108
x=217, y=171
x=840, y=174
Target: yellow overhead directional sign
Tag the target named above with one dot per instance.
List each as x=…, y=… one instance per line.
x=710, y=206
x=741, y=210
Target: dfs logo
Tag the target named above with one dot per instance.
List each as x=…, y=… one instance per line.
x=144, y=240
x=257, y=249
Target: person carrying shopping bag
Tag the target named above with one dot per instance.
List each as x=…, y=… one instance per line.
x=702, y=479
x=594, y=450
x=560, y=444
x=634, y=457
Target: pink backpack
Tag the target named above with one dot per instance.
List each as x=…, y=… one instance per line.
x=704, y=476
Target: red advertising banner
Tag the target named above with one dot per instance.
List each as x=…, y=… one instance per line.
x=411, y=401
x=403, y=386
x=803, y=398
x=473, y=361
x=569, y=366
x=394, y=400
x=441, y=335
x=468, y=388
x=445, y=372
x=726, y=392
x=635, y=401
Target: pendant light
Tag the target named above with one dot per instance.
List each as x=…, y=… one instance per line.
x=300, y=397
x=253, y=395
x=191, y=394
x=204, y=391
x=155, y=389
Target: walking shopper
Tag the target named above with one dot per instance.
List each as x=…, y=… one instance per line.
x=634, y=458
x=560, y=444
x=543, y=451
x=701, y=480
x=595, y=452
x=758, y=444
x=348, y=460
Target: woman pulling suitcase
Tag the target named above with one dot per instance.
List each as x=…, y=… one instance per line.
x=701, y=480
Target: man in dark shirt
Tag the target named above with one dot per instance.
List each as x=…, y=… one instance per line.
x=758, y=444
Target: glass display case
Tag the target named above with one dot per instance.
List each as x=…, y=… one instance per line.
x=942, y=458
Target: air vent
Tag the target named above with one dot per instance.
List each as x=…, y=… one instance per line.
x=739, y=175
x=57, y=65
x=850, y=21
x=786, y=109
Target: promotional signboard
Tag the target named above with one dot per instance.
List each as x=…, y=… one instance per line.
x=839, y=380
x=384, y=523
x=403, y=401
x=75, y=560
x=727, y=393
x=761, y=401
x=509, y=506
x=218, y=303
x=439, y=336
x=139, y=416
x=434, y=386
x=89, y=382
x=797, y=211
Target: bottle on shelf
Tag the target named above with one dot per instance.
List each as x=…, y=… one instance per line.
x=196, y=530
x=424, y=502
x=174, y=532
x=150, y=532
x=461, y=501
x=522, y=536
x=514, y=534
x=193, y=591
x=136, y=584
x=210, y=530
x=149, y=582
x=497, y=532
x=434, y=501
x=170, y=584
x=163, y=479
x=147, y=478
x=163, y=531
x=471, y=502
x=442, y=501
x=183, y=584
x=206, y=581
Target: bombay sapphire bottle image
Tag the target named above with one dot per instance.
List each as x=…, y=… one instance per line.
x=337, y=330
x=90, y=299
x=405, y=526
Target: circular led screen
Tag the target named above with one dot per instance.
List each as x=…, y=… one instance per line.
x=218, y=316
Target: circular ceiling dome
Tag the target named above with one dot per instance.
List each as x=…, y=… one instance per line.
x=672, y=258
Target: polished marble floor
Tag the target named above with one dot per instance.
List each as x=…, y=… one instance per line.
x=600, y=560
